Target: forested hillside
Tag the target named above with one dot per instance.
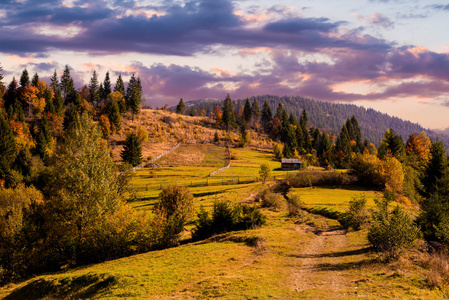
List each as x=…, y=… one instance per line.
x=329, y=117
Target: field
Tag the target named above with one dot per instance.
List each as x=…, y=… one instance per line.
x=289, y=258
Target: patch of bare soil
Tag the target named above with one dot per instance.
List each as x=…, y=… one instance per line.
x=322, y=265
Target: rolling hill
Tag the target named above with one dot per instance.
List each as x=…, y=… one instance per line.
x=330, y=117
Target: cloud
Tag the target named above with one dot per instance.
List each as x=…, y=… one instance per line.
x=439, y=6
x=381, y=20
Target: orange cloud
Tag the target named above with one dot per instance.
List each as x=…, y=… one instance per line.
x=20, y=60
x=221, y=71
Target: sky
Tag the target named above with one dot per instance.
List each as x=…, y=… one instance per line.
x=390, y=55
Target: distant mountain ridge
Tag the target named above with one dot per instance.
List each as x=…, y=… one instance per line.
x=330, y=117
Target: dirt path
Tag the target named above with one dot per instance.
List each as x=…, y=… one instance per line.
x=324, y=263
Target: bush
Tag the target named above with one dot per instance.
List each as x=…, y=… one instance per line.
x=391, y=231
x=271, y=200
x=172, y=213
x=357, y=215
x=294, y=205
x=225, y=218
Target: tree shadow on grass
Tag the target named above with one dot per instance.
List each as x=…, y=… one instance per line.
x=334, y=254
x=346, y=265
x=80, y=287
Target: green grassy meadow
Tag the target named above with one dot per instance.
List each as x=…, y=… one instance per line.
x=232, y=265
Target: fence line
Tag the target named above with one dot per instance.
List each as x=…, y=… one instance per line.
x=224, y=168
x=156, y=158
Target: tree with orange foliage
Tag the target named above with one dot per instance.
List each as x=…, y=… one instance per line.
x=218, y=114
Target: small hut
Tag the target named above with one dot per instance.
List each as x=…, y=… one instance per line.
x=291, y=164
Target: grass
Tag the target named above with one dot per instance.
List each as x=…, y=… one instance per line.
x=228, y=266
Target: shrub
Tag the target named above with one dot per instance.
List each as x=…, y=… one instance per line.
x=271, y=200
x=172, y=213
x=294, y=205
x=317, y=178
x=226, y=217
x=357, y=215
x=391, y=231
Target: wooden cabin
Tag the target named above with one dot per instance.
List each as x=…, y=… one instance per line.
x=291, y=164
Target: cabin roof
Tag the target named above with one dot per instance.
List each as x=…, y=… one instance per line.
x=291, y=161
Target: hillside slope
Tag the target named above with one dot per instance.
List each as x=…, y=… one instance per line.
x=330, y=117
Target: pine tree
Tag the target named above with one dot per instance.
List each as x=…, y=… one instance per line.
x=180, y=108
x=24, y=79
x=435, y=168
x=70, y=117
x=54, y=82
x=119, y=85
x=303, y=122
x=132, y=150
x=113, y=112
x=67, y=86
x=44, y=138
x=247, y=111
x=228, y=116
x=49, y=106
x=7, y=148
x=133, y=95
x=93, y=89
x=266, y=116
x=58, y=102
x=343, y=148
x=107, y=89
x=292, y=120
x=255, y=111
x=35, y=80
x=392, y=144
x=11, y=94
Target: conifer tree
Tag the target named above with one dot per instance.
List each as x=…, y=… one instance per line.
x=58, y=102
x=343, y=148
x=44, y=138
x=134, y=95
x=70, y=117
x=11, y=94
x=180, y=108
x=228, y=117
x=292, y=120
x=107, y=89
x=54, y=82
x=35, y=80
x=255, y=111
x=392, y=144
x=132, y=150
x=119, y=85
x=7, y=148
x=94, y=88
x=266, y=116
x=303, y=122
x=113, y=112
x=435, y=168
x=49, y=106
x=67, y=86
x=24, y=79
x=247, y=111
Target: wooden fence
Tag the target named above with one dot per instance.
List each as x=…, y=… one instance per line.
x=156, y=158
x=224, y=168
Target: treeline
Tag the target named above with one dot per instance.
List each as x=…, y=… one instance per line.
x=62, y=198
x=328, y=117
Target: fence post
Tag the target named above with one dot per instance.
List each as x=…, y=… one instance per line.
x=161, y=186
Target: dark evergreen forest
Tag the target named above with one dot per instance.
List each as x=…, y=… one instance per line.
x=328, y=117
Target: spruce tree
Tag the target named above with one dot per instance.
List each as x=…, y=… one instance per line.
x=107, y=89
x=54, y=82
x=2, y=85
x=266, y=116
x=133, y=95
x=228, y=116
x=303, y=122
x=7, y=148
x=11, y=94
x=119, y=85
x=180, y=108
x=113, y=112
x=132, y=150
x=35, y=80
x=94, y=89
x=255, y=110
x=435, y=168
x=24, y=79
x=44, y=137
x=247, y=111
x=70, y=117
x=49, y=106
